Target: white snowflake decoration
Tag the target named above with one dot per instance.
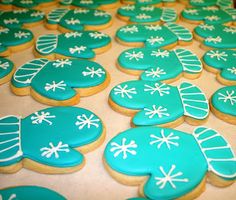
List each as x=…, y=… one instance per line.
x=212, y=18
x=12, y=197
x=128, y=7
x=147, y=8
x=152, y=40
x=77, y=49
x=20, y=11
x=26, y=1
x=210, y=8
x=143, y=16
x=54, y=150
x=153, y=27
x=37, y=14
x=4, y=65
x=207, y=27
x=191, y=11
x=162, y=53
x=62, y=62
x=155, y=73
x=170, y=178
x=92, y=72
x=72, y=21
x=11, y=21
x=129, y=29
x=232, y=70
x=124, y=148
x=38, y=118
x=219, y=55
x=161, y=88
x=134, y=55
x=98, y=13
x=228, y=97
x=87, y=2
x=124, y=91
x=87, y=121
x=164, y=140
x=73, y=34
x=231, y=30
x=196, y=1
x=160, y=112
x=97, y=35
x=60, y=85
x=81, y=11
x=3, y=30
x=215, y=40
x=21, y=34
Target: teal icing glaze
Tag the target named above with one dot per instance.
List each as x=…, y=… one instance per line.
x=159, y=64
x=217, y=35
x=204, y=3
x=17, y=18
x=48, y=136
x=154, y=101
x=29, y=193
x=209, y=15
x=223, y=60
x=29, y=4
x=66, y=44
x=76, y=19
x=147, y=14
x=224, y=100
x=154, y=36
x=57, y=79
x=158, y=153
x=6, y=67
x=149, y=2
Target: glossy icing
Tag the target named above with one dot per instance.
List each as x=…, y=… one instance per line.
x=77, y=19
x=48, y=136
x=6, y=67
x=29, y=193
x=158, y=153
x=210, y=15
x=64, y=44
x=156, y=36
x=18, y=18
x=204, y=3
x=57, y=79
x=154, y=101
x=29, y=4
x=224, y=100
x=222, y=60
x=147, y=14
x=217, y=35
x=159, y=64
x=147, y=2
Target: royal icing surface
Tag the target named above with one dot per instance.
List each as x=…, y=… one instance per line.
x=68, y=44
x=25, y=3
x=29, y=193
x=158, y=154
x=154, y=35
x=223, y=60
x=147, y=2
x=17, y=18
x=210, y=15
x=154, y=100
x=57, y=79
x=224, y=100
x=159, y=64
x=48, y=136
x=217, y=35
x=204, y=3
x=147, y=14
x=6, y=67
x=77, y=19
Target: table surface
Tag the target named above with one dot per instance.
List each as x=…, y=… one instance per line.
x=93, y=181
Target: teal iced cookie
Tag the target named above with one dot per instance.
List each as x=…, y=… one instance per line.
x=6, y=70
x=170, y=164
x=21, y=18
x=222, y=62
x=205, y=3
x=52, y=140
x=155, y=36
x=149, y=2
x=209, y=15
x=94, y=4
x=14, y=39
x=160, y=65
x=68, y=44
x=29, y=193
x=156, y=103
x=79, y=19
x=146, y=14
x=216, y=36
x=59, y=82
x=223, y=104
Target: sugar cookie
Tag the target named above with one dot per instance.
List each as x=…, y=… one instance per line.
x=156, y=103
x=170, y=164
x=59, y=82
x=150, y=2
x=51, y=141
x=6, y=70
x=205, y=3
x=160, y=65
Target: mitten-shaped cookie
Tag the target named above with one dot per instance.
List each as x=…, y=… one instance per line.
x=90, y=43
x=156, y=103
x=21, y=18
x=160, y=65
x=59, y=82
x=29, y=193
x=14, y=39
x=223, y=104
x=222, y=62
x=66, y=20
x=146, y=14
x=209, y=15
x=215, y=36
x=170, y=164
x=158, y=3
x=52, y=140
x=155, y=36
x=205, y=3
x=6, y=70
